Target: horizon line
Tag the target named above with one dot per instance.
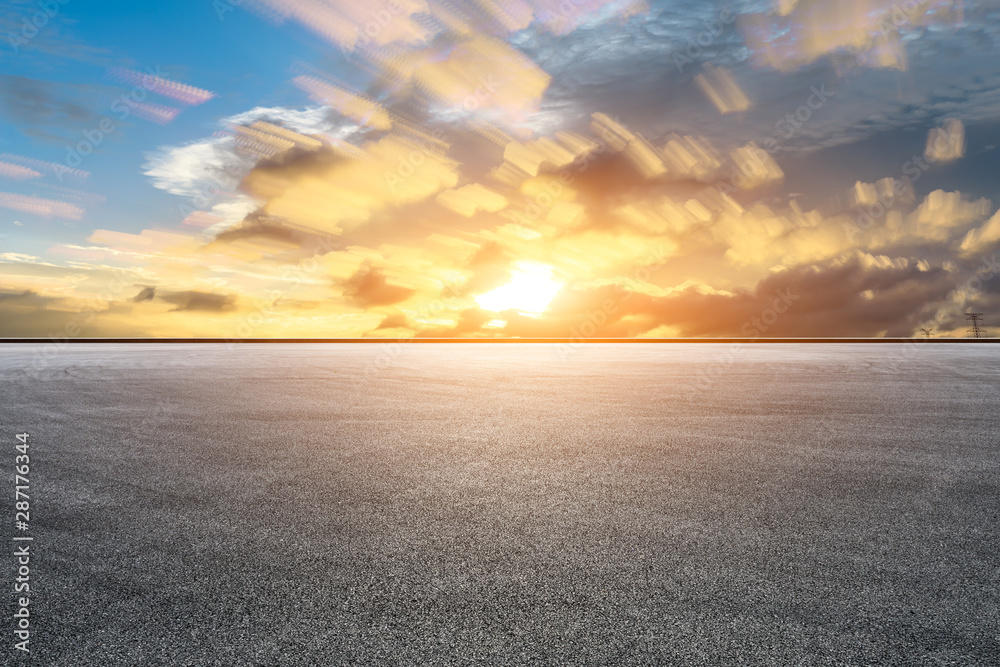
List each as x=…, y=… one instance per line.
x=506, y=340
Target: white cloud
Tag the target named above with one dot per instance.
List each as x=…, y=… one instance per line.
x=314, y=120
x=205, y=168
x=195, y=169
x=232, y=212
x=981, y=238
x=946, y=143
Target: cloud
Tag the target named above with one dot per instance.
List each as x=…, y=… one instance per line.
x=369, y=287
x=355, y=26
x=946, y=143
x=328, y=191
x=481, y=75
x=27, y=314
x=358, y=108
x=48, y=168
x=394, y=321
x=17, y=172
x=348, y=24
x=199, y=301
x=983, y=238
x=198, y=168
x=46, y=208
x=51, y=42
x=146, y=294
x=261, y=236
x=468, y=138
x=55, y=108
x=147, y=242
x=468, y=199
x=942, y=213
x=205, y=170
x=179, y=92
x=869, y=31
x=722, y=90
x=859, y=295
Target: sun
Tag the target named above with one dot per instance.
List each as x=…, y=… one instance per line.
x=529, y=291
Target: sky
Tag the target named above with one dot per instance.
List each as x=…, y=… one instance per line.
x=521, y=168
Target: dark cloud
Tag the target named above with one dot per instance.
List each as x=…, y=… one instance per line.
x=984, y=297
x=663, y=49
x=292, y=165
x=266, y=231
x=258, y=229
x=851, y=298
x=147, y=294
x=27, y=314
x=41, y=108
x=369, y=287
x=204, y=301
x=394, y=321
x=27, y=296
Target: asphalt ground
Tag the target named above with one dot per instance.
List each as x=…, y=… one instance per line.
x=506, y=504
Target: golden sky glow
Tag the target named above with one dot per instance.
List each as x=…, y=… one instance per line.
x=529, y=168
x=529, y=291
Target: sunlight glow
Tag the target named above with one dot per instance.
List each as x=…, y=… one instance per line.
x=529, y=291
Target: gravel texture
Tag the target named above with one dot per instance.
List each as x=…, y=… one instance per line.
x=506, y=504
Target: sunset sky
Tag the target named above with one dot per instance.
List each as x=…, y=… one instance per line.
x=583, y=168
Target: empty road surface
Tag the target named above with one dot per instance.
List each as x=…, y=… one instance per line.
x=506, y=504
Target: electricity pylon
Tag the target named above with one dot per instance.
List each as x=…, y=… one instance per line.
x=976, y=331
